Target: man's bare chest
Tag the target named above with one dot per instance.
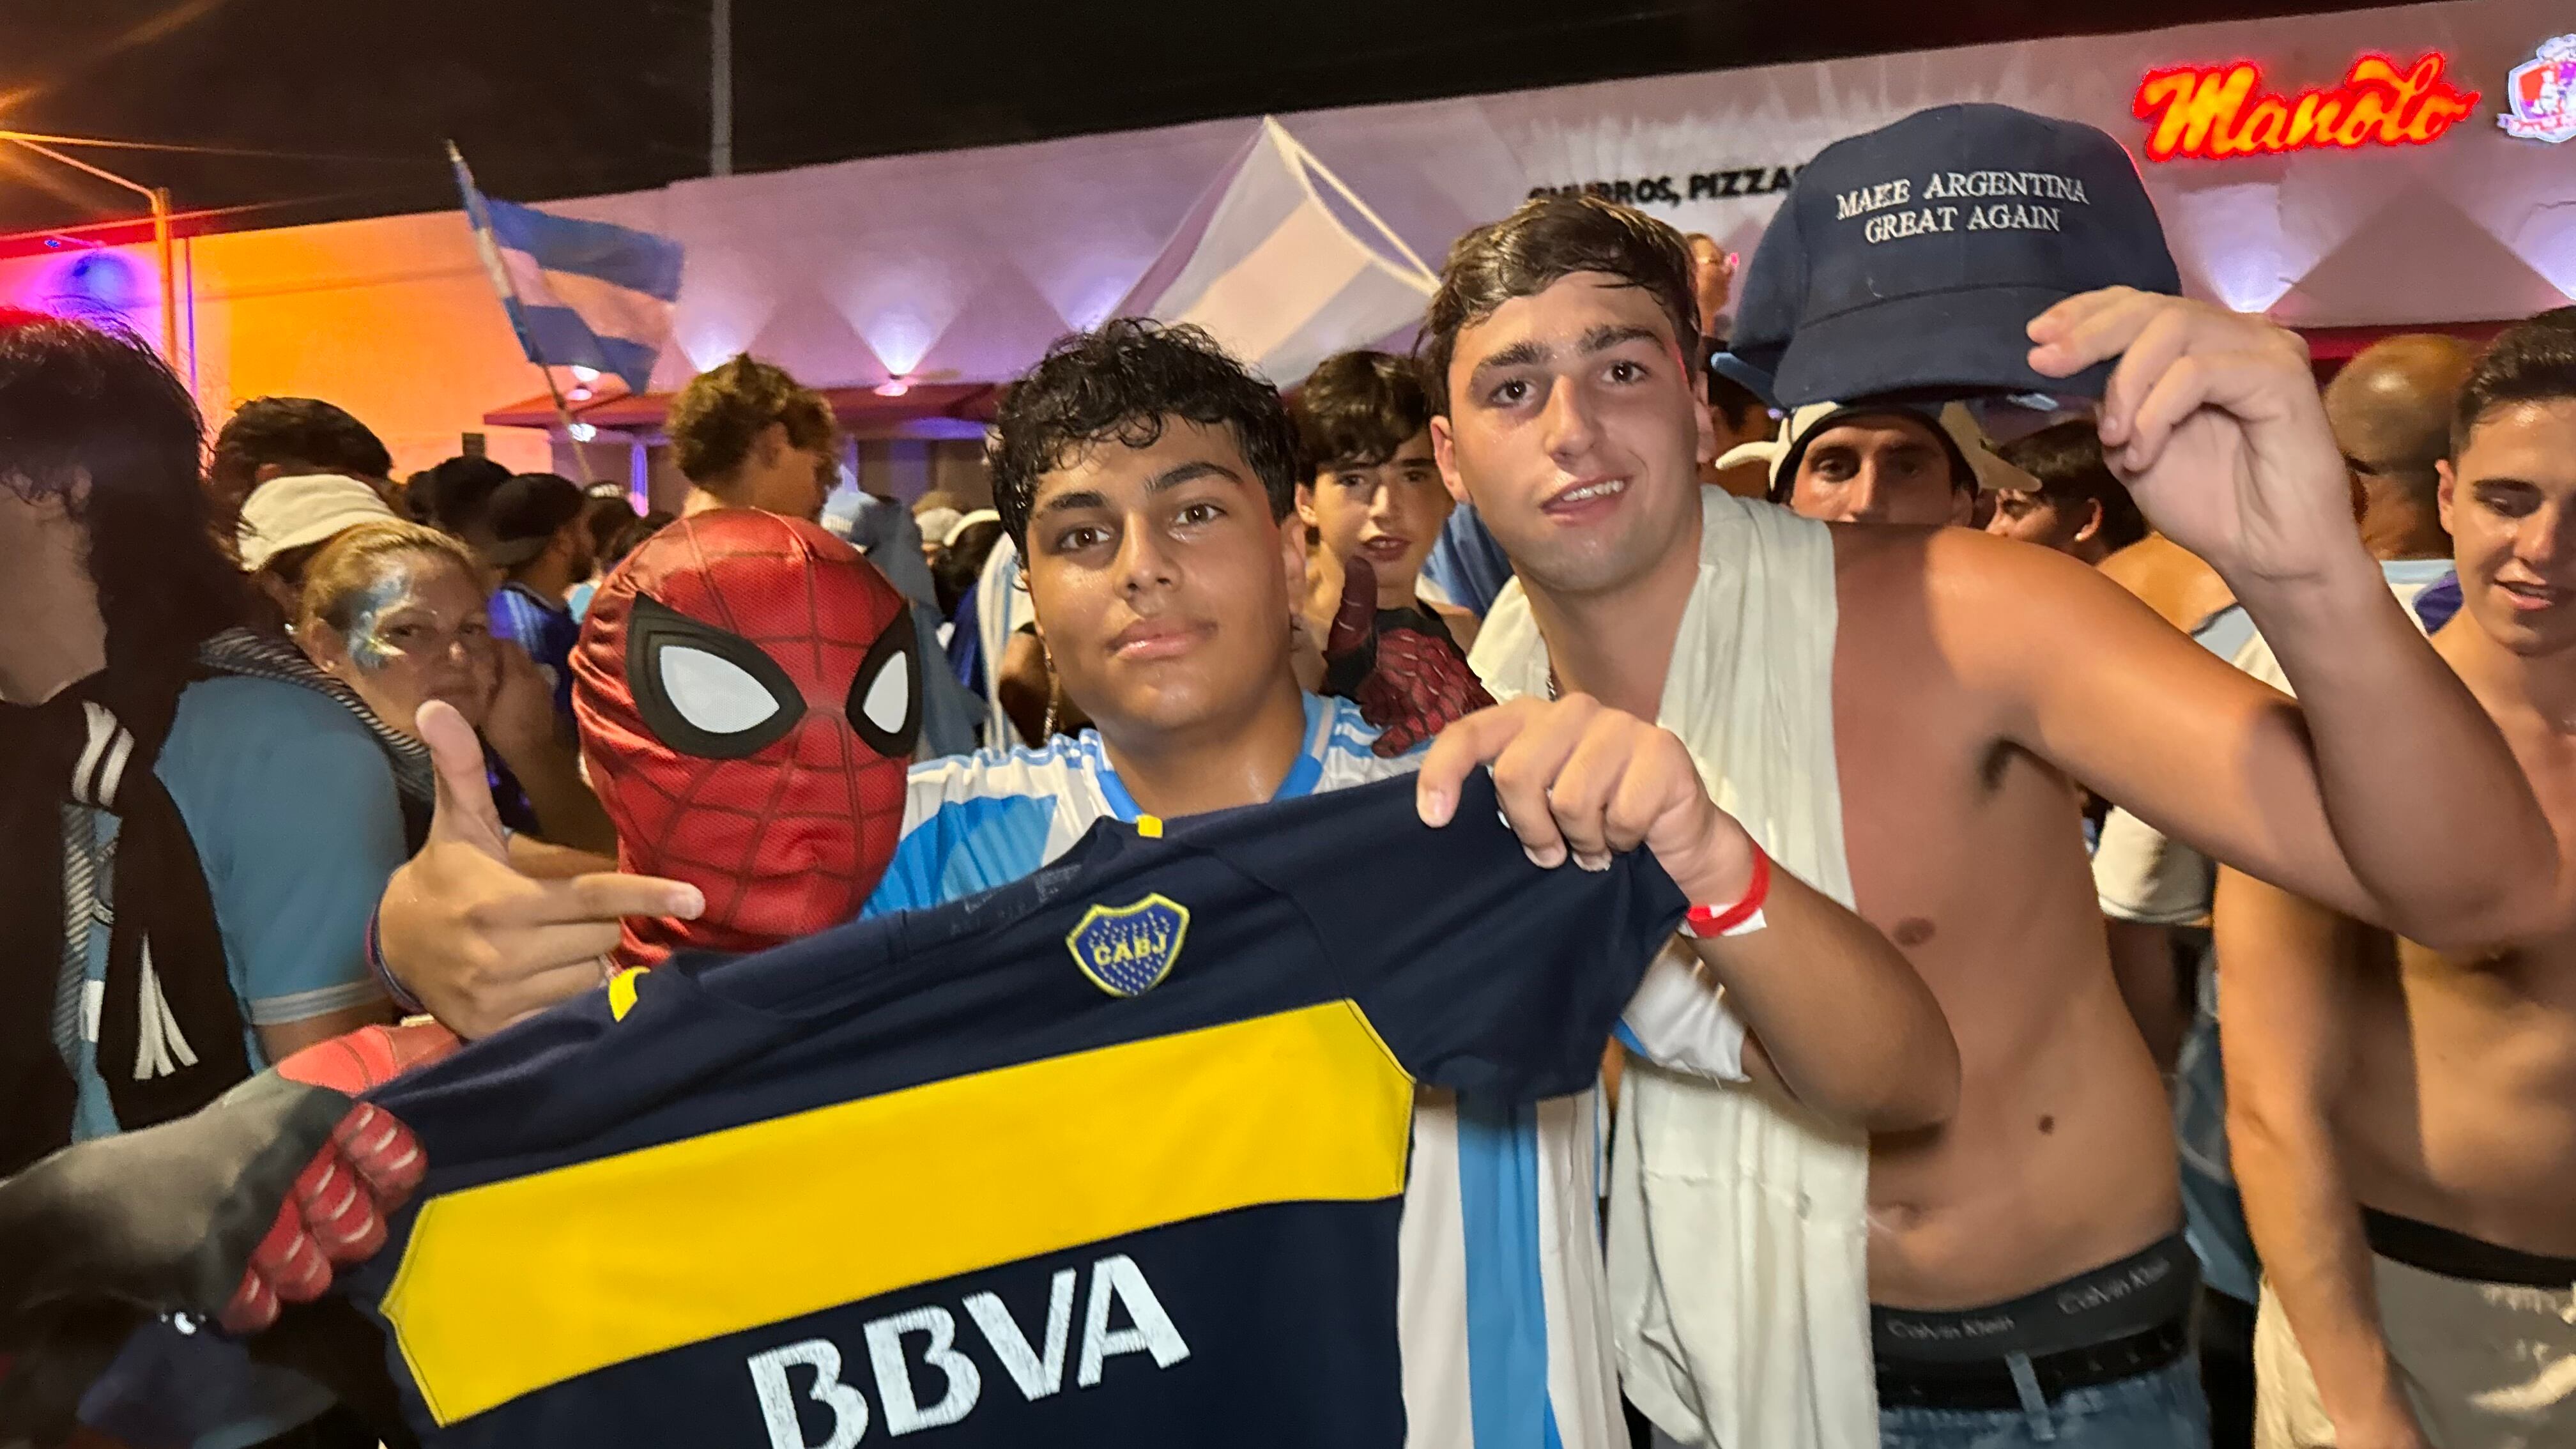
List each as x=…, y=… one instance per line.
x=1966, y=851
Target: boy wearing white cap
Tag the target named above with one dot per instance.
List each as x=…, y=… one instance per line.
x=285, y=521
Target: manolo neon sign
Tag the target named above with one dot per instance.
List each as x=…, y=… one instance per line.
x=2222, y=111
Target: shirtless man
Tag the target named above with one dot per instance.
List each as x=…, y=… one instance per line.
x=2403, y=1119
x=2182, y=590
x=2390, y=410
x=1977, y=682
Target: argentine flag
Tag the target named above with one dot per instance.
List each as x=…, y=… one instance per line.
x=579, y=293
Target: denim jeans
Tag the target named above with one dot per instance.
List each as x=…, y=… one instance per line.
x=2162, y=1409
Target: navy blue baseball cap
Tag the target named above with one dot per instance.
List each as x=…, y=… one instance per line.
x=1908, y=261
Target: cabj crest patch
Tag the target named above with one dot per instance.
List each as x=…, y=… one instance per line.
x=1128, y=950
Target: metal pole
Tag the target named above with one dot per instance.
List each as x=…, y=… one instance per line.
x=720, y=89
x=159, y=197
x=169, y=274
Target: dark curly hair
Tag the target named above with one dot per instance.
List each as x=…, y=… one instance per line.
x=2533, y=360
x=1547, y=239
x=86, y=404
x=720, y=414
x=302, y=434
x=1121, y=383
x=1357, y=408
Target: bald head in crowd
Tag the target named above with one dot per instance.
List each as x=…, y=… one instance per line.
x=2390, y=408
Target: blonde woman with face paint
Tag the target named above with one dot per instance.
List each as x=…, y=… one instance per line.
x=396, y=611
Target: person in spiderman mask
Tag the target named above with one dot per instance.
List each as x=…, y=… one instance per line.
x=748, y=692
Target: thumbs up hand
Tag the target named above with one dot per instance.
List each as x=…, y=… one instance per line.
x=480, y=943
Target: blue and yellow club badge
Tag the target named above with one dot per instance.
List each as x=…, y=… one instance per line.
x=1128, y=950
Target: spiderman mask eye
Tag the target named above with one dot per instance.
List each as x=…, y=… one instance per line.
x=885, y=695
x=704, y=691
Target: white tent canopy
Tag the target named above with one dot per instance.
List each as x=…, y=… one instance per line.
x=1280, y=275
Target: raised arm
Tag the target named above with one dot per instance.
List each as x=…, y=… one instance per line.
x=2281, y=1026
x=2080, y=673
x=2213, y=421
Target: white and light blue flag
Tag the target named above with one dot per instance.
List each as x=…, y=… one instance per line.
x=579, y=293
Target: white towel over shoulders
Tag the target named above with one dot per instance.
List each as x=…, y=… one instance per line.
x=1738, y=1267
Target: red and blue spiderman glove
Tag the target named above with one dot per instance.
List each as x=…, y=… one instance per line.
x=226, y=1214
x=1400, y=666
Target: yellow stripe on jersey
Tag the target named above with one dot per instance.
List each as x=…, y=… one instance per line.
x=621, y=992
x=517, y=1285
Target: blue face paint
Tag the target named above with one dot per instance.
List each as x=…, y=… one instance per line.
x=368, y=648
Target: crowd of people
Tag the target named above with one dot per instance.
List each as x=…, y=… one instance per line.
x=2105, y=791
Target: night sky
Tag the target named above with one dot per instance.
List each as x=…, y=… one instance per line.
x=550, y=99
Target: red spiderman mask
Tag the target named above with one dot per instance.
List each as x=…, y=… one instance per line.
x=749, y=689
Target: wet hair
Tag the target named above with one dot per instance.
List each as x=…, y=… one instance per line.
x=1357, y=408
x=341, y=573
x=2066, y=458
x=1121, y=383
x=84, y=404
x=2531, y=361
x=721, y=413
x=302, y=434
x=1546, y=240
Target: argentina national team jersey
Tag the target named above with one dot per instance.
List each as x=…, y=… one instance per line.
x=1112, y=1155
x=1501, y=1296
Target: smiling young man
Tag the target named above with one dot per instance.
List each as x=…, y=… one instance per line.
x=1372, y=490
x=2390, y=411
x=1906, y=712
x=2404, y=1119
x=1147, y=477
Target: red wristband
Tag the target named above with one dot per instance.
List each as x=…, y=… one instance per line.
x=1704, y=922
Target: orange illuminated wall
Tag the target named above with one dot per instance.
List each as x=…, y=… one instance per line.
x=392, y=318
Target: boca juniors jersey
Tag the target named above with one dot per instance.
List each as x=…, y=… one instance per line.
x=1501, y=1305
x=1113, y=1155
